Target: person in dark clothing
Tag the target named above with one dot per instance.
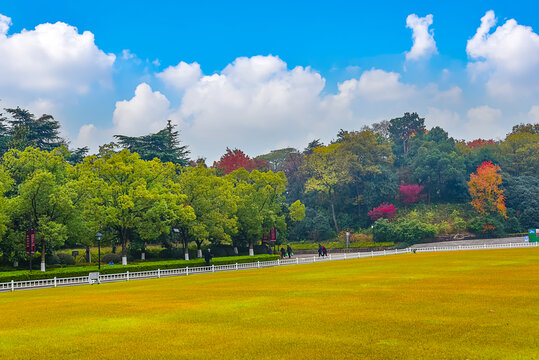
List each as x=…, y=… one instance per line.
x=324, y=251
x=283, y=253
x=289, y=249
x=208, y=256
x=319, y=250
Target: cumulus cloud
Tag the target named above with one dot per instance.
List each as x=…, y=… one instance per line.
x=52, y=57
x=376, y=85
x=484, y=122
x=5, y=23
x=507, y=58
x=424, y=45
x=147, y=111
x=259, y=104
x=181, y=76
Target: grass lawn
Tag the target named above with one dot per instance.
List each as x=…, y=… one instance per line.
x=456, y=305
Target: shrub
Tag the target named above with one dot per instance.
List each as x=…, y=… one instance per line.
x=385, y=211
x=52, y=259
x=486, y=226
x=110, y=257
x=65, y=259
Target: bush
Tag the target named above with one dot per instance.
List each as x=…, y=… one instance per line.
x=110, y=257
x=486, y=226
x=405, y=230
x=65, y=259
x=52, y=259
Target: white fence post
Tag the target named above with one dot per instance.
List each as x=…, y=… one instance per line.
x=384, y=251
x=187, y=270
x=55, y=281
x=128, y=276
x=297, y=261
x=12, y=285
x=278, y=262
x=158, y=273
x=213, y=268
x=372, y=253
x=258, y=264
x=344, y=256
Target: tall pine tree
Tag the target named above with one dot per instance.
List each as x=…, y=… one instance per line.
x=164, y=145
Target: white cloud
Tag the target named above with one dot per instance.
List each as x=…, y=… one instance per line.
x=181, y=76
x=376, y=85
x=5, y=23
x=449, y=120
x=533, y=114
x=53, y=57
x=424, y=45
x=484, y=122
x=127, y=54
x=147, y=111
x=508, y=58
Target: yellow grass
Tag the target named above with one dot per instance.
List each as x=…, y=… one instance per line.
x=460, y=305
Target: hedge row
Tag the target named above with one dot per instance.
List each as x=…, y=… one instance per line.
x=113, y=269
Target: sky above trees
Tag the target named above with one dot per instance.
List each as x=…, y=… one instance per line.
x=261, y=77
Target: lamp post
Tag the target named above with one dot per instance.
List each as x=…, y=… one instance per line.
x=373, y=239
x=98, y=237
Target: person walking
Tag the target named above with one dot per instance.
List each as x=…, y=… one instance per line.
x=289, y=249
x=319, y=250
x=283, y=253
x=324, y=251
x=208, y=256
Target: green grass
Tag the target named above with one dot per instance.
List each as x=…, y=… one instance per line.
x=73, y=271
x=455, y=305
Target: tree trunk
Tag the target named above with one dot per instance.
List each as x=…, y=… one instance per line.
x=88, y=254
x=199, y=250
x=334, y=217
x=42, y=254
x=143, y=252
x=251, y=248
x=124, y=251
x=186, y=249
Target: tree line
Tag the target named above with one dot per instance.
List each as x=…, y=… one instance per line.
x=383, y=179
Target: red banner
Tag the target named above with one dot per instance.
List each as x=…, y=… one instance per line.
x=273, y=234
x=30, y=242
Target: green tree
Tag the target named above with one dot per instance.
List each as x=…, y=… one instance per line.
x=328, y=169
x=402, y=128
x=26, y=130
x=42, y=201
x=261, y=203
x=164, y=145
x=214, y=203
x=136, y=196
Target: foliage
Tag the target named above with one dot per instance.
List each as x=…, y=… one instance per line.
x=402, y=128
x=410, y=194
x=384, y=211
x=236, y=159
x=484, y=187
x=163, y=145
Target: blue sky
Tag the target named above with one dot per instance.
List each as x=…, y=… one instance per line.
x=259, y=76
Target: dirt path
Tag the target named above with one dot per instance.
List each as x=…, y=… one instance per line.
x=508, y=240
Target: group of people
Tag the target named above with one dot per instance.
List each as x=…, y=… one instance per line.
x=287, y=252
x=322, y=251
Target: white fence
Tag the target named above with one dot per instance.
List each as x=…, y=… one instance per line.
x=84, y=280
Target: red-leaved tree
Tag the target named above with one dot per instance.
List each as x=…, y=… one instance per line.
x=410, y=194
x=477, y=143
x=236, y=159
x=384, y=211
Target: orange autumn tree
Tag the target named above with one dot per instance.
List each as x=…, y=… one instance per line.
x=484, y=187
